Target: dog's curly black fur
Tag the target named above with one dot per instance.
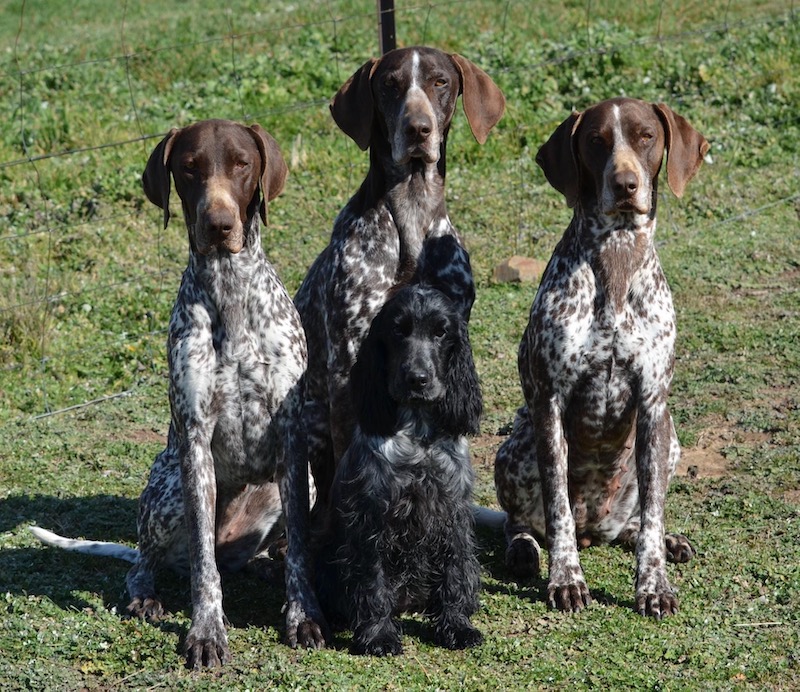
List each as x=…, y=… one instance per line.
x=399, y=534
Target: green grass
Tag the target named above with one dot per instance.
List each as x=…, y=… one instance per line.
x=87, y=279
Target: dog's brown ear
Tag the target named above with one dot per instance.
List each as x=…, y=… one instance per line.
x=352, y=108
x=557, y=159
x=686, y=148
x=273, y=167
x=483, y=101
x=155, y=179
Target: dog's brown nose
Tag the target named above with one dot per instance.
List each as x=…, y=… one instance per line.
x=625, y=183
x=221, y=221
x=418, y=127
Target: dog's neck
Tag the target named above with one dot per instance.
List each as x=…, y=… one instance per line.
x=414, y=195
x=221, y=274
x=616, y=247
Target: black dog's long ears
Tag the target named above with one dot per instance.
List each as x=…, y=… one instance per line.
x=444, y=265
x=460, y=410
x=375, y=409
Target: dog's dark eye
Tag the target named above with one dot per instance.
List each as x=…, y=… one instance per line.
x=390, y=83
x=440, y=83
x=241, y=165
x=440, y=331
x=646, y=136
x=596, y=139
x=189, y=167
x=403, y=329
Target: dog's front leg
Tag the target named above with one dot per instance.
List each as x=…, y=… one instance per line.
x=456, y=598
x=207, y=642
x=192, y=366
x=375, y=631
x=654, y=594
x=305, y=623
x=566, y=588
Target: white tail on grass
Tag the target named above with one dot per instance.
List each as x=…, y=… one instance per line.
x=98, y=548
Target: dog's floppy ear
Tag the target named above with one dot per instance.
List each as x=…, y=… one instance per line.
x=461, y=408
x=483, y=101
x=557, y=159
x=375, y=409
x=273, y=167
x=352, y=107
x=156, y=176
x=686, y=148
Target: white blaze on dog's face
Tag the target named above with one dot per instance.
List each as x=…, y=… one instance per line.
x=418, y=101
x=621, y=145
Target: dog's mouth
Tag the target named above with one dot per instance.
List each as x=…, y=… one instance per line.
x=232, y=246
x=414, y=397
x=626, y=206
x=418, y=152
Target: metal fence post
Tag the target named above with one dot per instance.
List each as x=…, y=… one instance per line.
x=386, y=37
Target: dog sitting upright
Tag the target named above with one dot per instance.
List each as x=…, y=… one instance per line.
x=592, y=453
x=399, y=532
x=394, y=230
x=235, y=459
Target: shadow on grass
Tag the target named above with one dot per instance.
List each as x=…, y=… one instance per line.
x=76, y=582
x=491, y=552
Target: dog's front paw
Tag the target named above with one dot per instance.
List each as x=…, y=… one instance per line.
x=523, y=557
x=305, y=630
x=464, y=637
x=569, y=597
x=679, y=549
x=567, y=588
x=373, y=641
x=658, y=604
x=207, y=647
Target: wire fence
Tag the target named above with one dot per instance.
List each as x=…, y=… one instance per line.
x=143, y=73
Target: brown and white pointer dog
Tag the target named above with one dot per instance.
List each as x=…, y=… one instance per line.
x=236, y=453
x=592, y=452
x=394, y=230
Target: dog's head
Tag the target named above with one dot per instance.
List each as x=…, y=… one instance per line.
x=609, y=156
x=218, y=167
x=407, y=98
x=417, y=356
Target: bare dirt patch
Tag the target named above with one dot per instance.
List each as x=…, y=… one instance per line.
x=142, y=435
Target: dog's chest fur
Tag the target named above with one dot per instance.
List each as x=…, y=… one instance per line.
x=603, y=329
x=243, y=353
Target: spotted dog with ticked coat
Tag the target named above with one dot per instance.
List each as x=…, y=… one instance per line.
x=592, y=452
x=235, y=463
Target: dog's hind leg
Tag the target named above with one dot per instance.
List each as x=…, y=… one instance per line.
x=162, y=535
x=519, y=491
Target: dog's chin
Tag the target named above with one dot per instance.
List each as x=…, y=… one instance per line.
x=231, y=245
x=626, y=207
x=416, y=154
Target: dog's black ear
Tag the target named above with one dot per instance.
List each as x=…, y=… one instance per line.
x=273, y=167
x=556, y=157
x=352, y=107
x=462, y=406
x=444, y=265
x=155, y=179
x=375, y=409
